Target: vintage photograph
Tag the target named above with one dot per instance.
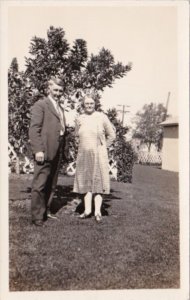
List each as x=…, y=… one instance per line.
x=97, y=120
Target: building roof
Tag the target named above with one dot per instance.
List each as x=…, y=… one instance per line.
x=170, y=121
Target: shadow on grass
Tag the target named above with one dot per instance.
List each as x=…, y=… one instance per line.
x=104, y=209
x=105, y=204
x=111, y=196
x=64, y=195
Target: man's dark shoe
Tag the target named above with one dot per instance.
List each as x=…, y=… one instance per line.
x=38, y=222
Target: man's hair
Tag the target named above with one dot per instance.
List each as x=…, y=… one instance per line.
x=56, y=80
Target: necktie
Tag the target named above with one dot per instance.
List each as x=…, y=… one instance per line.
x=61, y=117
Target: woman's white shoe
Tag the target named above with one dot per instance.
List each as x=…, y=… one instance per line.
x=85, y=216
x=98, y=218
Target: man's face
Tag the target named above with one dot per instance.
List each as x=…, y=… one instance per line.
x=55, y=91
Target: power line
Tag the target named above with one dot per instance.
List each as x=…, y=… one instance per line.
x=123, y=111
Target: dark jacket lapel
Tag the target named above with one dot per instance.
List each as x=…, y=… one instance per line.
x=51, y=107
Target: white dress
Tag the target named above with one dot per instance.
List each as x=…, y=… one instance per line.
x=95, y=133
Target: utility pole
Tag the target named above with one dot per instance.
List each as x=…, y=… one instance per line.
x=167, y=103
x=123, y=111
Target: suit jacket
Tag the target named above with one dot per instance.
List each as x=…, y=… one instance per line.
x=45, y=126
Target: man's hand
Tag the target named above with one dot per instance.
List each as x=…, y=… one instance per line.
x=39, y=156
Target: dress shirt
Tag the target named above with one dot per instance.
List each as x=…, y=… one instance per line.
x=60, y=113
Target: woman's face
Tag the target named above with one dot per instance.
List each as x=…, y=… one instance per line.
x=89, y=105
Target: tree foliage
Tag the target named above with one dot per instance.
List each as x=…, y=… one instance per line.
x=19, y=95
x=148, y=128
x=80, y=72
x=122, y=150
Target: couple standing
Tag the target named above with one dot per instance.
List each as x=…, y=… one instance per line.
x=48, y=138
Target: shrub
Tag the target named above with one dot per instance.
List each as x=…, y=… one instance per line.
x=122, y=150
x=80, y=73
x=125, y=158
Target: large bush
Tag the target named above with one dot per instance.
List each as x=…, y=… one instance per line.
x=122, y=150
x=81, y=73
x=20, y=101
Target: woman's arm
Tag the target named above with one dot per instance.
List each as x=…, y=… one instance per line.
x=77, y=126
x=110, y=131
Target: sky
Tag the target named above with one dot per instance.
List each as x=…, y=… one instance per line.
x=144, y=35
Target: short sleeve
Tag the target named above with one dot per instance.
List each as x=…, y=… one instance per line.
x=110, y=130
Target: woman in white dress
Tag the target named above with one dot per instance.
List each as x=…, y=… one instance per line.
x=95, y=133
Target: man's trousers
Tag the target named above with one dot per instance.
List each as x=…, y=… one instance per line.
x=44, y=185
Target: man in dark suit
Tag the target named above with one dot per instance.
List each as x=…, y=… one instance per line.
x=47, y=137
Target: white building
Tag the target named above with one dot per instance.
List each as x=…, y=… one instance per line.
x=170, y=159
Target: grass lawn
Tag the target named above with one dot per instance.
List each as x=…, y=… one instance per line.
x=135, y=247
